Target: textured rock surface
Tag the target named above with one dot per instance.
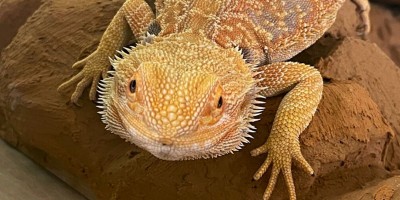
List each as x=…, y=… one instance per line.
x=345, y=143
x=374, y=71
x=386, y=28
x=10, y=20
x=381, y=190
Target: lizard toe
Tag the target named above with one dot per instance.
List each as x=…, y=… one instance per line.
x=287, y=173
x=303, y=162
x=80, y=64
x=260, y=172
x=272, y=181
x=260, y=150
x=80, y=87
x=70, y=82
x=93, y=88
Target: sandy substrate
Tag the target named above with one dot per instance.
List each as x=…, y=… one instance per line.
x=351, y=143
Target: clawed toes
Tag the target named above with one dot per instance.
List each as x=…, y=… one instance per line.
x=280, y=159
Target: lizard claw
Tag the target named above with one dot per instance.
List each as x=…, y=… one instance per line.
x=280, y=155
x=80, y=64
x=92, y=69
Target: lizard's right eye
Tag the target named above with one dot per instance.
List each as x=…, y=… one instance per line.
x=132, y=86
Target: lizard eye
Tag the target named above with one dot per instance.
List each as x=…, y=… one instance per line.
x=220, y=102
x=132, y=86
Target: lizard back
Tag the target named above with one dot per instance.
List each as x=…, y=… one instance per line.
x=269, y=30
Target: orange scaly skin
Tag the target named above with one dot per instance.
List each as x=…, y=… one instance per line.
x=189, y=91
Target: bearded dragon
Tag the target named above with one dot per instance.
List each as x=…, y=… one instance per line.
x=191, y=87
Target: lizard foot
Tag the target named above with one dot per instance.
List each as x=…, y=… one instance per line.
x=92, y=68
x=363, y=9
x=280, y=155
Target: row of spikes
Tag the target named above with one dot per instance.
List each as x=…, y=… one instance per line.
x=254, y=109
x=104, y=85
x=147, y=39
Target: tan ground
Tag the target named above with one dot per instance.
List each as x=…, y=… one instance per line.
x=351, y=142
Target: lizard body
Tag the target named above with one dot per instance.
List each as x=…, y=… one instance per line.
x=191, y=90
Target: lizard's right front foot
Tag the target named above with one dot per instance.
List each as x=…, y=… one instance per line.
x=281, y=152
x=93, y=68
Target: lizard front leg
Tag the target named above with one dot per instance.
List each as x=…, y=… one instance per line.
x=134, y=16
x=293, y=116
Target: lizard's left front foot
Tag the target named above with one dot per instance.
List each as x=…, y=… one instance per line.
x=280, y=154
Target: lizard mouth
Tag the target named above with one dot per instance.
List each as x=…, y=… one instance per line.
x=183, y=147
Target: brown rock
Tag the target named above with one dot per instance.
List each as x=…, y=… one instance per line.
x=385, y=27
x=385, y=30
x=367, y=65
x=13, y=15
x=382, y=190
x=345, y=143
x=347, y=21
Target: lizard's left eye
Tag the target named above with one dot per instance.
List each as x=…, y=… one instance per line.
x=132, y=86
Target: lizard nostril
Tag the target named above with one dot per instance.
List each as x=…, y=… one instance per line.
x=166, y=142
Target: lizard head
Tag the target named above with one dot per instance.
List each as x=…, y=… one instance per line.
x=181, y=98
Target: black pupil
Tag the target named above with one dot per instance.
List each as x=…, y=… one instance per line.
x=132, y=86
x=220, y=102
